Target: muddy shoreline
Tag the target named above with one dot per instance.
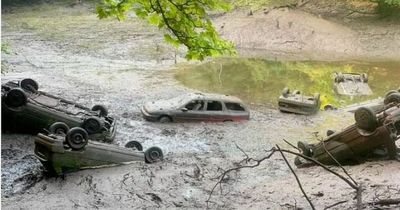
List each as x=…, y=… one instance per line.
x=123, y=77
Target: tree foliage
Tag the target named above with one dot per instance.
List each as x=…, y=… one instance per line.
x=187, y=22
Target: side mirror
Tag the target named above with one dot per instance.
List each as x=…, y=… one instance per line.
x=184, y=109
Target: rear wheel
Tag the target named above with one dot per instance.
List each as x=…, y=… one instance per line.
x=153, y=154
x=305, y=148
x=285, y=91
x=29, y=85
x=364, y=77
x=339, y=77
x=134, y=145
x=165, y=119
x=296, y=92
x=103, y=110
x=77, y=138
x=92, y=125
x=59, y=128
x=392, y=98
x=16, y=98
x=366, y=119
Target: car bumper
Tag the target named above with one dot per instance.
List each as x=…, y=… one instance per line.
x=148, y=116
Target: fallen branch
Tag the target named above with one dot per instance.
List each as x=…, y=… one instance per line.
x=386, y=202
x=297, y=178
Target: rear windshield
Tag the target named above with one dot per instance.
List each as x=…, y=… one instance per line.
x=234, y=107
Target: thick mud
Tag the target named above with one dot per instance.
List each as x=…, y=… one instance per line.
x=195, y=154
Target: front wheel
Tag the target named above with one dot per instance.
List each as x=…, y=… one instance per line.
x=92, y=125
x=392, y=98
x=165, y=119
x=153, y=154
x=304, y=148
x=366, y=119
x=77, y=138
x=59, y=128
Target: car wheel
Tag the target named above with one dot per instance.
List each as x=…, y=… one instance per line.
x=59, y=128
x=16, y=98
x=365, y=119
x=364, y=77
x=92, y=125
x=103, y=110
x=339, y=77
x=153, y=154
x=29, y=85
x=285, y=91
x=297, y=161
x=392, y=98
x=329, y=132
x=305, y=148
x=296, y=92
x=134, y=145
x=317, y=96
x=77, y=138
x=165, y=119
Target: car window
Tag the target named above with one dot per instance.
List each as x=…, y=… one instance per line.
x=234, y=106
x=196, y=105
x=214, y=106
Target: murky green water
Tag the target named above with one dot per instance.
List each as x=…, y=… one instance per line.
x=261, y=81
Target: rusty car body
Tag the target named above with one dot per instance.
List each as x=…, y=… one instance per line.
x=295, y=102
x=61, y=154
x=351, y=84
x=196, y=107
x=372, y=130
x=26, y=109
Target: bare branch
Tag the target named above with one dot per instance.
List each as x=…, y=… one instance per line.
x=297, y=178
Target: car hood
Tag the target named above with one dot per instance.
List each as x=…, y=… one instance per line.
x=159, y=106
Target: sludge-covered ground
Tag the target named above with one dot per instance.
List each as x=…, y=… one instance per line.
x=195, y=154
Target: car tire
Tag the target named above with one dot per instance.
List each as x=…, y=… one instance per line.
x=297, y=161
x=153, y=154
x=392, y=98
x=103, y=110
x=317, y=96
x=134, y=145
x=339, y=77
x=16, y=98
x=365, y=119
x=329, y=132
x=29, y=85
x=285, y=91
x=364, y=77
x=58, y=128
x=77, y=138
x=164, y=119
x=296, y=92
x=92, y=125
x=305, y=148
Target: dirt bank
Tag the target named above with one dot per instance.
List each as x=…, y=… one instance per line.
x=80, y=64
x=296, y=34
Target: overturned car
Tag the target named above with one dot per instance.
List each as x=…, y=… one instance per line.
x=351, y=84
x=26, y=109
x=295, y=102
x=61, y=154
x=371, y=131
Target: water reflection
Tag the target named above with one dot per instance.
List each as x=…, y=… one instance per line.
x=261, y=81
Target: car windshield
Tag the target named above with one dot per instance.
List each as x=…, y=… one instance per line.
x=181, y=100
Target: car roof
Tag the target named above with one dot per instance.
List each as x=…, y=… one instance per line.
x=217, y=97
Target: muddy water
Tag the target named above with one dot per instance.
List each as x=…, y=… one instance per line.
x=261, y=81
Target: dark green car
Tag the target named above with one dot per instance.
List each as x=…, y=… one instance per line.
x=26, y=109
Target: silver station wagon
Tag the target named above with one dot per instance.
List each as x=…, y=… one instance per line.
x=196, y=107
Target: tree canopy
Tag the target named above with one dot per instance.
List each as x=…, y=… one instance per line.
x=187, y=22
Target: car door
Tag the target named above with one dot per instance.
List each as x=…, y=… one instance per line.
x=214, y=111
x=192, y=111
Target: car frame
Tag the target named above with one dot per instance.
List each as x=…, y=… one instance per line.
x=62, y=154
x=371, y=131
x=295, y=102
x=27, y=109
x=196, y=107
x=351, y=84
